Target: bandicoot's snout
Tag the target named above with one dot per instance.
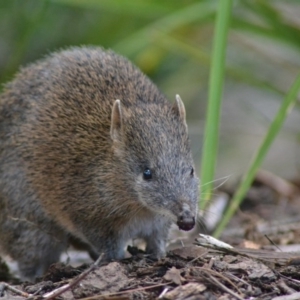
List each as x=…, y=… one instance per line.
x=186, y=221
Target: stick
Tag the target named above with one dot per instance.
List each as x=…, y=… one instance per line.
x=13, y=289
x=75, y=281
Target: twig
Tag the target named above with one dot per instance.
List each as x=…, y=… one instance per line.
x=224, y=288
x=196, y=258
x=75, y=281
x=231, y=276
x=278, y=184
x=211, y=263
x=294, y=296
x=215, y=273
x=285, y=288
x=286, y=277
x=266, y=236
x=162, y=294
x=125, y=292
x=13, y=289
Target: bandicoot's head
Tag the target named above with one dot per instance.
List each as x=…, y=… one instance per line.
x=154, y=142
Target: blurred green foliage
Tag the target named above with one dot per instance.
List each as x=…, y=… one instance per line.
x=29, y=29
x=169, y=40
x=163, y=37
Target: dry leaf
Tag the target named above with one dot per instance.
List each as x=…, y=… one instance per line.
x=174, y=275
x=185, y=291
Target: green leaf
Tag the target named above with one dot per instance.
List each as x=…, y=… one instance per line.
x=211, y=135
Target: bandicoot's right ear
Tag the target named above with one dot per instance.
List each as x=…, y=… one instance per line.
x=179, y=109
x=116, y=121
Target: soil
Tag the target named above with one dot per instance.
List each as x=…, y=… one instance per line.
x=260, y=264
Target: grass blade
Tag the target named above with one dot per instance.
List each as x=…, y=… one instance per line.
x=211, y=134
x=274, y=128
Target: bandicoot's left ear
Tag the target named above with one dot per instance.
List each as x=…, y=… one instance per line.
x=179, y=109
x=116, y=121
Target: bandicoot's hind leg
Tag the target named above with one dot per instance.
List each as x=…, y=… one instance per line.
x=33, y=248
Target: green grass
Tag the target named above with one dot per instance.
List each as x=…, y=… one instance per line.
x=262, y=151
x=276, y=30
x=211, y=135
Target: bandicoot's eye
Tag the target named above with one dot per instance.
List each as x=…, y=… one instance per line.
x=147, y=174
x=192, y=171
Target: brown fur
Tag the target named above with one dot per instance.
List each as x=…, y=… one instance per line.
x=72, y=159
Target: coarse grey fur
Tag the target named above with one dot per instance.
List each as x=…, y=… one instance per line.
x=72, y=160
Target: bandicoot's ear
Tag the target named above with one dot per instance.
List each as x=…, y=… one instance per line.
x=116, y=121
x=179, y=109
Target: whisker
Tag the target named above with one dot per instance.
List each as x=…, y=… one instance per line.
x=201, y=224
x=226, y=178
x=215, y=180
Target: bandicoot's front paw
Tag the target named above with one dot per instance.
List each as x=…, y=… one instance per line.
x=157, y=256
x=157, y=253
